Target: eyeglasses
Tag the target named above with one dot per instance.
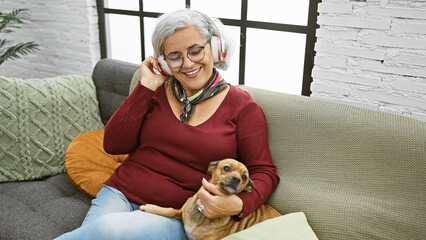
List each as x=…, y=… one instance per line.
x=195, y=54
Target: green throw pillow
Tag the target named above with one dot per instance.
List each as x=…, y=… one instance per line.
x=292, y=226
x=38, y=120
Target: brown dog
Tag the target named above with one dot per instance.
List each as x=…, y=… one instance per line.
x=231, y=177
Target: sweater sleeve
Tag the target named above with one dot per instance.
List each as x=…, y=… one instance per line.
x=253, y=151
x=123, y=128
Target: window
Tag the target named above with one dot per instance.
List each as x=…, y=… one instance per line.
x=276, y=37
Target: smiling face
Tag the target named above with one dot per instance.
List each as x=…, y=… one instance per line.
x=193, y=76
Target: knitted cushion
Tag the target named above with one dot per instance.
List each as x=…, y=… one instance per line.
x=38, y=119
x=293, y=226
x=87, y=164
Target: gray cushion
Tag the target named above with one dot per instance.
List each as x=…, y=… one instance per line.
x=42, y=209
x=112, y=80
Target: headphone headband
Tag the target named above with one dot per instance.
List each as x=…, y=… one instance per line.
x=211, y=20
x=218, y=44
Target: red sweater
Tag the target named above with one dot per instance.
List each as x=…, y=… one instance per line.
x=168, y=158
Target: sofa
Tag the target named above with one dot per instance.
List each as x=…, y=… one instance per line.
x=354, y=173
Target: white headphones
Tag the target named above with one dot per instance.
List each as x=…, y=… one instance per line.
x=217, y=44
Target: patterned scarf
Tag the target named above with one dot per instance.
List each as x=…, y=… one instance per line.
x=215, y=85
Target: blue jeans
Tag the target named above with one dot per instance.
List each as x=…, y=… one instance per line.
x=112, y=216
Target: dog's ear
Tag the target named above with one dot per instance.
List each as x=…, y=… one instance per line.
x=212, y=167
x=249, y=187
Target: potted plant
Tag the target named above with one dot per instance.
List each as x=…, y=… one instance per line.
x=8, y=50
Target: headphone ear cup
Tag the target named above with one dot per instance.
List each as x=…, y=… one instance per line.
x=218, y=49
x=215, y=49
x=164, y=67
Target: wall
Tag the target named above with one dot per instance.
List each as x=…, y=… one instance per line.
x=372, y=54
x=67, y=31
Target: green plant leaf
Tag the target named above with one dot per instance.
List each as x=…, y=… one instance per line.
x=10, y=20
x=18, y=50
x=3, y=43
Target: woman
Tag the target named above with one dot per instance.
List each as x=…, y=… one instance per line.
x=172, y=130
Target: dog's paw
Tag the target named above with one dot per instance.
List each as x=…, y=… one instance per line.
x=147, y=207
x=142, y=207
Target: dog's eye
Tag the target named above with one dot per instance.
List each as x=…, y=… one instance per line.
x=244, y=177
x=226, y=169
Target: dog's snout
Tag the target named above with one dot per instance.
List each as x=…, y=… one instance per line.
x=236, y=179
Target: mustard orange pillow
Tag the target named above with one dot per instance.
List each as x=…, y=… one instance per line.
x=87, y=164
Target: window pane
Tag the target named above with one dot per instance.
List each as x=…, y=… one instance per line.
x=122, y=4
x=275, y=60
x=149, y=24
x=218, y=8
x=231, y=75
x=125, y=42
x=283, y=11
x=163, y=6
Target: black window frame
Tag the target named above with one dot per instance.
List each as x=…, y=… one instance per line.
x=243, y=23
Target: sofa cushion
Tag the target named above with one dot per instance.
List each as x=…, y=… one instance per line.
x=41, y=209
x=87, y=164
x=38, y=119
x=293, y=226
x=112, y=79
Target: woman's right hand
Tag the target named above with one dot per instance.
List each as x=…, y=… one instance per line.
x=149, y=78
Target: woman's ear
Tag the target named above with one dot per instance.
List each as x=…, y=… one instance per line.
x=249, y=187
x=212, y=167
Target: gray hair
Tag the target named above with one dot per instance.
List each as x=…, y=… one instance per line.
x=169, y=23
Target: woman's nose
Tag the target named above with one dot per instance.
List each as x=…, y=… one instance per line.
x=186, y=62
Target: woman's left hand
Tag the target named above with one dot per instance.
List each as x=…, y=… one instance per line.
x=216, y=203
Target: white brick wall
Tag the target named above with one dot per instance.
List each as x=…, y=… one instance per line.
x=67, y=31
x=372, y=54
